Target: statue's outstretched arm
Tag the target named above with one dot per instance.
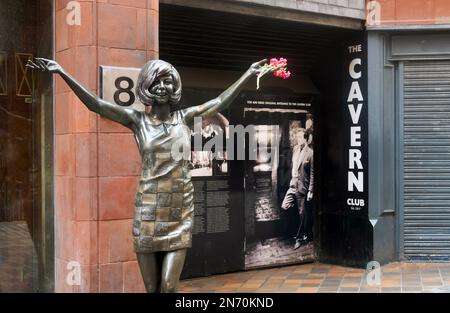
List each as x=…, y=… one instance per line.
x=225, y=98
x=124, y=116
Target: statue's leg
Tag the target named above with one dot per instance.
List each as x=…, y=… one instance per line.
x=171, y=270
x=150, y=265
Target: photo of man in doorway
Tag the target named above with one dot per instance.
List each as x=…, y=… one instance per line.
x=270, y=228
x=301, y=186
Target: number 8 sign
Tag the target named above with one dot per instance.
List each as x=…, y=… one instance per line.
x=118, y=86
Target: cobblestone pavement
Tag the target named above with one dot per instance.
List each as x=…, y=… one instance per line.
x=317, y=277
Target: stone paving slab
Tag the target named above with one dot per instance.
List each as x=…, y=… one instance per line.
x=398, y=277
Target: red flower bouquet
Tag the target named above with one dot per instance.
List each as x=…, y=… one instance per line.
x=278, y=67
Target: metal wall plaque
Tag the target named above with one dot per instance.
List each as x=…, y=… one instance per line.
x=118, y=86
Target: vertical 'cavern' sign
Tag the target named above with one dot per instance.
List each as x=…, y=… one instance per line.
x=356, y=104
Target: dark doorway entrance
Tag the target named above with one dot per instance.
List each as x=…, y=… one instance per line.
x=211, y=49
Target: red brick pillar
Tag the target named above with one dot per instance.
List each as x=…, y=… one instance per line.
x=97, y=161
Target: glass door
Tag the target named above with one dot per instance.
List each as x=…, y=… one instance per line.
x=26, y=136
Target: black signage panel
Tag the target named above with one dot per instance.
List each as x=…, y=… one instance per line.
x=356, y=126
x=279, y=179
x=218, y=233
x=344, y=232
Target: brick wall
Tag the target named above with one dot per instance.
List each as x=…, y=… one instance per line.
x=414, y=12
x=96, y=161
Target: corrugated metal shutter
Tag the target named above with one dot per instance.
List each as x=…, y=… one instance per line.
x=219, y=40
x=426, y=159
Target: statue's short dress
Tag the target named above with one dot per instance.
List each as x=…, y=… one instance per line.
x=164, y=206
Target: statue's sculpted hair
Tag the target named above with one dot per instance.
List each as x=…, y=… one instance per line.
x=151, y=71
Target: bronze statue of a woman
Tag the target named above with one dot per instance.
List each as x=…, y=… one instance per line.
x=164, y=206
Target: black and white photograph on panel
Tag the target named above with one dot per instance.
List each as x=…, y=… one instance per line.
x=279, y=197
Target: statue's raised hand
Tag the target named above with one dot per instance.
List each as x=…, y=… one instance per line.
x=257, y=67
x=44, y=65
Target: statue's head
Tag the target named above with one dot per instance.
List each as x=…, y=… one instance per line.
x=158, y=81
